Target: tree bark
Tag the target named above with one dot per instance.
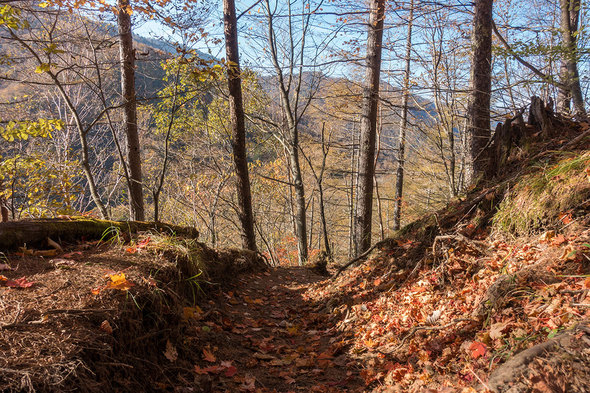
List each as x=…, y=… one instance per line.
x=570, y=15
x=127, y=60
x=238, y=128
x=3, y=205
x=478, y=112
x=364, y=216
x=399, y=180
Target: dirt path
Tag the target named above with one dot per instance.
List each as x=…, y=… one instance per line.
x=264, y=336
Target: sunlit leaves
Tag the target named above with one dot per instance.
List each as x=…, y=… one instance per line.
x=22, y=130
x=42, y=188
x=11, y=17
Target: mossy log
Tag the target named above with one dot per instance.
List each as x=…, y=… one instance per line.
x=34, y=232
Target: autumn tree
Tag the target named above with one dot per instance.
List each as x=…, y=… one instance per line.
x=478, y=111
x=570, y=16
x=238, y=129
x=364, y=215
x=399, y=180
x=128, y=93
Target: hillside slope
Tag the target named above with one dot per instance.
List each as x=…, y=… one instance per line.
x=502, y=273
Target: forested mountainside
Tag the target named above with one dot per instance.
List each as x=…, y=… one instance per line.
x=270, y=196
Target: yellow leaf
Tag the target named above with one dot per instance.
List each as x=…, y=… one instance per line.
x=118, y=281
x=41, y=68
x=191, y=312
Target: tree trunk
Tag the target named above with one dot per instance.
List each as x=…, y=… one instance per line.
x=292, y=120
x=238, y=127
x=570, y=15
x=399, y=180
x=564, y=96
x=127, y=59
x=478, y=112
x=364, y=216
x=300, y=214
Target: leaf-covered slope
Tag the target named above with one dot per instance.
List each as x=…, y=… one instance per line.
x=452, y=297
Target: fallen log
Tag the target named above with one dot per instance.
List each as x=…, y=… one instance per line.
x=35, y=232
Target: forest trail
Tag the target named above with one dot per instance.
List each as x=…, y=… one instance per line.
x=276, y=338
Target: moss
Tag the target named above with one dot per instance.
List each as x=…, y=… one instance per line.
x=538, y=198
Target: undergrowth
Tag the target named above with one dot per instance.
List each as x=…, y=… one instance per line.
x=538, y=200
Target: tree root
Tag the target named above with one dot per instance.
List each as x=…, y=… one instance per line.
x=354, y=260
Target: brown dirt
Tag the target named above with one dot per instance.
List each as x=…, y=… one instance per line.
x=59, y=336
x=275, y=336
x=54, y=335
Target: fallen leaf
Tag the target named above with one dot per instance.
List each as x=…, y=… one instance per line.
x=230, y=369
x=558, y=240
x=18, y=283
x=547, y=236
x=496, y=330
x=170, y=353
x=118, y=281
x=72, y=254
x=208, y=370
x=249, y=383
x=568, y=253
x=208, y=356
x=106, y=327
x=477, y=349
x=4, y=266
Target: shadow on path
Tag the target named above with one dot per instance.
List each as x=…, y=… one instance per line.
x=264, y=336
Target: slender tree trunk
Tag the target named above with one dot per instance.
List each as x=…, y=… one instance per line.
x=320, y=181
x=236, y=113
x=300, y=211
x=292, y=118
x=478, y=111
x=352, y=200
x=570, y=15
x=3, y=207
x=324, y=221
x=401, y=150
x=311, y=220
x=564, y=97
x=364, y=216
x=127, y=59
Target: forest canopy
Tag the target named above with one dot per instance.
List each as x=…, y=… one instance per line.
x=338, y=121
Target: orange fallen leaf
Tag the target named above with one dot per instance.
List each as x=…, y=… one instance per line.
x=558, y=240
x=106, y=327
x=208, y=370
x=118, y=281
x=477, y=349
x=208, y=356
